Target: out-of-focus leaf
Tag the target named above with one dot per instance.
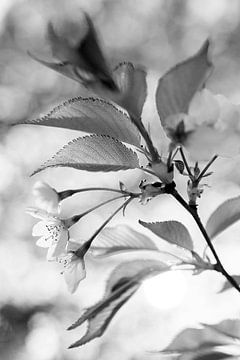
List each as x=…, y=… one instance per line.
x=91, y=115
x=137, y=270
x=82, y=61
x=121, y=238
x=100, y=315
x=131, y=81
x=94, y=153
x=171, y=231
x=229, y=327
x=178, y=86
x=198, y=344
x=122, y=284
x=213, y=355
x=224, y=216
x=227, y=285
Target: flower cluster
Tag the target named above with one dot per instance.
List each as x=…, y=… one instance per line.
x=54, y=232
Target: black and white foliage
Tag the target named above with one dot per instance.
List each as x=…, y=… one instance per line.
x=116, y=137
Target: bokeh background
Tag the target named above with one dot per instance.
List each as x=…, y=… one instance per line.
x=35, y=306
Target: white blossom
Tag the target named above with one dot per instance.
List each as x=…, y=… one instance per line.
x=53, y=232
x=46, y=197
x=74, y=266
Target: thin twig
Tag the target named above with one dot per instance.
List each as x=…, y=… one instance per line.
x=207, y=166
x=75, y=218
x=66, y=193
x=185, y=162
x=89, y=242
x=141, y=128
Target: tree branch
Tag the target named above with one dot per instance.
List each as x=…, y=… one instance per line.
x=218, y=267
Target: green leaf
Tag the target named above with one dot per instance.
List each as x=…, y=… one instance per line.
x=91, y=115
x=171, y=231
x=94, y=153
x=118, y=239
x=224, y=216
x=177, y=87
x=122, y=284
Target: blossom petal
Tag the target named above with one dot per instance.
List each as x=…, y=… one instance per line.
x=46, y=197
x=74, y=273
x=58, y=245
x=42, y=214
x=204, y=108
x=40, y=229
x=44, y=242
x=74, y=245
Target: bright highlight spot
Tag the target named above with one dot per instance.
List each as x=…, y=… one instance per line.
x=167, y=290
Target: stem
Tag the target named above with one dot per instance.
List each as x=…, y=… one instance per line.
x=75, y=218
x=88, y=243
x=207, y=166
x=185, y=162
x=138, y=123
x=218, y=267
x=66, y=193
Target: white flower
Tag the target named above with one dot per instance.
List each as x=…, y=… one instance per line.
x=53, y=232
x=211, y=126
x=46, y=197
x=74, y=266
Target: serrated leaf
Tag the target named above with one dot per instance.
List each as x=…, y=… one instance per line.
x=94, y=153
x=121, y=238
x=171, y=231
x=177, y=87
x=121, y=285
x=227, y=285
x=224, y=216
x=91, y=115
x=82, y=61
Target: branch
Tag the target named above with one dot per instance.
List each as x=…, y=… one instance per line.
x=218, y=267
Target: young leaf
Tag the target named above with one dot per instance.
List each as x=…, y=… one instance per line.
x=82, y=61
x=94, y=153
x=178, y=86
x=91, y=115
x=121, y=238
x=122, y=284
x=171, y=231
x=224, y=216
x=132, y=84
